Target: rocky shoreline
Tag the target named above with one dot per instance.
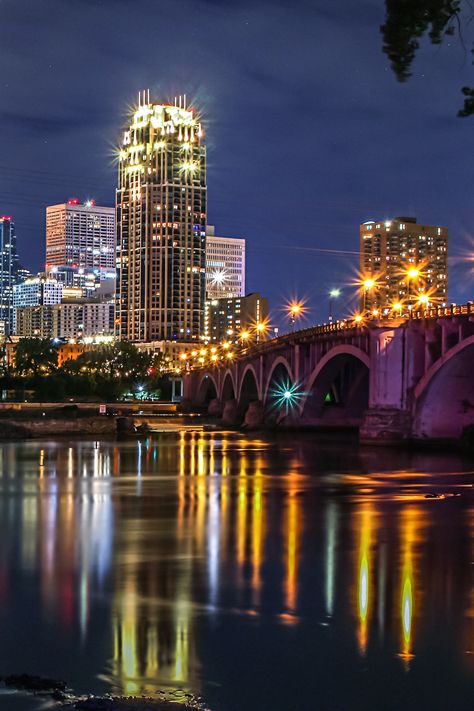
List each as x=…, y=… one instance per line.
x=58, y=691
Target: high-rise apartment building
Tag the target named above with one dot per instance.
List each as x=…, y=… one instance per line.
x=225, y=266
x=8, y=271
x=227, y=319
x=80, y=235
x=161, y=225
x=401, y=261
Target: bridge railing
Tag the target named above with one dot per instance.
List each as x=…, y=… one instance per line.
x=356, y=324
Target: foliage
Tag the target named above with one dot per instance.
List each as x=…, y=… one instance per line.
x=407, y=21
x=34, y=355
x=106, y=373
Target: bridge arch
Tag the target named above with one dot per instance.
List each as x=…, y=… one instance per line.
x=444, y=397
x=281, y=373
x=249, y=390
x=337, y=391
x=228, y=389
x=207, y=390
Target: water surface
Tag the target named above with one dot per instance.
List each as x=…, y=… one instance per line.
x=263, y=573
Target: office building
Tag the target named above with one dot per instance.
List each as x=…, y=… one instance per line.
x=68, y=320
x=225, y=266
x=161, y=224
x=401, y=260
x=227, y=319
x=36, y=291
x=80, y=235
x=8, y=272
x=88, y=283
x=24, y=274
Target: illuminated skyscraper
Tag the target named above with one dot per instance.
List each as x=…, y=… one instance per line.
x=225, y=266
x=8, y=272
x=80, y=235
x=405, y=260
x=161, y=224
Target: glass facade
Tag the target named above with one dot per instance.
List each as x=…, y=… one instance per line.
x=8, y=270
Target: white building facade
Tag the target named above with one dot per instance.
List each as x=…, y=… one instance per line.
x=225, y=266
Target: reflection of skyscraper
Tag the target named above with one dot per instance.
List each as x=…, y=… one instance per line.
x=161, y=224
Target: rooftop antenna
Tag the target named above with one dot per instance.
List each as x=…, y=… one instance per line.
x=184, y=102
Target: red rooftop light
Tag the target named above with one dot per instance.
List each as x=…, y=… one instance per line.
x=5, y=217
x=73, y=201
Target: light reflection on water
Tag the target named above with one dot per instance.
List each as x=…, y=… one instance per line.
x=204, y=563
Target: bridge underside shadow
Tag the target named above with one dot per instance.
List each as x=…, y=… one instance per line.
x=248, y=394
x=207, y=392
x=446, y=404
x=339, y=394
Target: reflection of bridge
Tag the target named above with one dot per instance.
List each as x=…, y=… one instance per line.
x=395, y=379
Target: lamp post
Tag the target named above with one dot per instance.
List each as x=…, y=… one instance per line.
x=260, y=330
x=412, y=273
x=333, y=294
x=368, y=284
x=424, y=301
x=294, y=311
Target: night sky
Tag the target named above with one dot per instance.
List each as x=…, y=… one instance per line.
x=308, y=131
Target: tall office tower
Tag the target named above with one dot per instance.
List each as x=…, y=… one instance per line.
x=80, y=235
x=161, y=225
x=225, y=266
x=8, y=271
x=406, y=260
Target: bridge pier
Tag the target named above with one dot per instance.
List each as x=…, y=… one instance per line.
x=385, y=425
x=254, y=416
x=396, y=355
x=229, y=413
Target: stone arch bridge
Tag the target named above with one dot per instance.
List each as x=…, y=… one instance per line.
x=394, y=380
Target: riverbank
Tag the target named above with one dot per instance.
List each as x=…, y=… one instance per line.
x=33, y=420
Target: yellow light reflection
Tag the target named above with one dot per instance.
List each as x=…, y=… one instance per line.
x=258, y=532
x=409, y=531
x=364, y=572
x=293, y=535
x=242, y=511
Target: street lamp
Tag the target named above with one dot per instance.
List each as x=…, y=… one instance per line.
x=412, y=273
x=424, y=300
x=260, y=329
x=368, y=284
x=295, y=310
x=333, y=294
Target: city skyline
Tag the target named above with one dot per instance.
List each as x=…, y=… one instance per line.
x=334, y=141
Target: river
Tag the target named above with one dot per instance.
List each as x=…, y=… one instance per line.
x=261, y=573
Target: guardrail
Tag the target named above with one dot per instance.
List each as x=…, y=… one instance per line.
x=354, y=324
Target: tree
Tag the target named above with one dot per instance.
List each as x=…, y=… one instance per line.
x=407, y=21
x=35, y=356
